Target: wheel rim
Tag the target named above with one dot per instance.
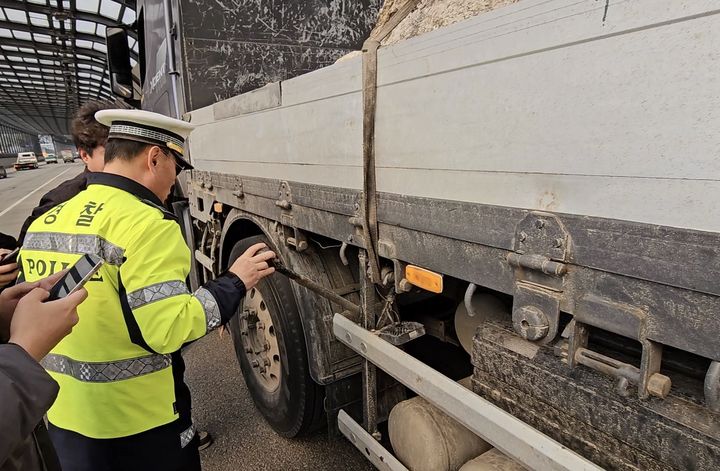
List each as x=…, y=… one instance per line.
x=259, y=340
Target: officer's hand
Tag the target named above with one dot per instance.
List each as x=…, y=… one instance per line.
x=252, y=267
x=8, y=272
x=37, y=326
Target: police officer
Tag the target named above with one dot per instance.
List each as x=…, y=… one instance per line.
x=123, y=404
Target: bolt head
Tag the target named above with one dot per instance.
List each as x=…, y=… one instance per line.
x=405, y=285
x=522, y=236
x=540, y=223
x=530, y=323
x=255, y=363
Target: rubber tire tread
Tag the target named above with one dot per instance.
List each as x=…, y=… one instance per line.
x=296, y=409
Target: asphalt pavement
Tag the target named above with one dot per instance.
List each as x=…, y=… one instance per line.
x=21, y=191
x=222, y=404
x=243, y=440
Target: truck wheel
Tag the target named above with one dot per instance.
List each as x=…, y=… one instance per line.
x=270, y=347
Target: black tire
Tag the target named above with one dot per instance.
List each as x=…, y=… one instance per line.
x=295, y=408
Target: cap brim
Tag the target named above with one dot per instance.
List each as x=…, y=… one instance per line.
x=184, y=164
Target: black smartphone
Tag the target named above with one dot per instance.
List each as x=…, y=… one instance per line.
x=76, y=277
x=10, y=257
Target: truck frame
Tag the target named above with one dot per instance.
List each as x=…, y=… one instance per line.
x=553, y=156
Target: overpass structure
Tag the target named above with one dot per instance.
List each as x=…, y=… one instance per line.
x=52, y=60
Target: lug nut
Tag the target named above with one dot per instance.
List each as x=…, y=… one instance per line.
x=255, y=363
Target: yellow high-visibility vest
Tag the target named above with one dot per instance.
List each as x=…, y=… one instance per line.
x=115, y=369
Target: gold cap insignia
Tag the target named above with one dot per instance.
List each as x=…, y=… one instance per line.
x=175, y=147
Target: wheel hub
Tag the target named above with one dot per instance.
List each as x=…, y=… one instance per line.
x=259, y=340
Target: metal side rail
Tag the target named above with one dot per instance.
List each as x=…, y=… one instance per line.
x=505, y=432
x=371, y=448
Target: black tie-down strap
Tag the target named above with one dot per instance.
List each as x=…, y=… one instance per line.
x=370, y=48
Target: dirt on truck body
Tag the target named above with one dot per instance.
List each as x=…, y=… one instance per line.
x=515, y=194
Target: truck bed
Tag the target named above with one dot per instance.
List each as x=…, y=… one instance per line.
x=604, y=109
x=581, y=132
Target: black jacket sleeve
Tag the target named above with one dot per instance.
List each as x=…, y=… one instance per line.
x=54, y=197
x=26, y=393
x=228, y=290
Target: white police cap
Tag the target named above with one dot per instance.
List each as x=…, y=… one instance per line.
x=148, y=127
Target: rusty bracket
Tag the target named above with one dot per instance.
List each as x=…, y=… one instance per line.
x=540, y=233
x=238, y=192
x=292, y=236
x=536, y=312
x=284, y=200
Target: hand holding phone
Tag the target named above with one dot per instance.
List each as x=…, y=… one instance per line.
x=38, y=324
x=8, y=267
x=10, y=257
x=76, y=277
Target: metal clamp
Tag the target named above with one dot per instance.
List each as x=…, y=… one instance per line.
x=658, y=384
x=649, y=380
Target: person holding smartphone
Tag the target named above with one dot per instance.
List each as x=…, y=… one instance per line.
x=123, y=403
x=8, y=270
x=29, y=327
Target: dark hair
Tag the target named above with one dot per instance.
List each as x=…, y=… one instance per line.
x=86, y=132
x=124, y=149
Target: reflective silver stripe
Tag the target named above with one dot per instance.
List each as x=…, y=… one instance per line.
x=156, y=292
x=75, y=244
x=212, y=311
x=187, y=436
x=105, y=372
x=143, y=132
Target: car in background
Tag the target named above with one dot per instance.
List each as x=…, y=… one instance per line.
x=51, y=159
x=67, y=156
x=26, y=160
x=3, y=172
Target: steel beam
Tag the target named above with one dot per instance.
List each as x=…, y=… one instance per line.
x=510, y=435
x=371, y=448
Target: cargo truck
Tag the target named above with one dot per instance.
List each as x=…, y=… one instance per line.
x=527, y=197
